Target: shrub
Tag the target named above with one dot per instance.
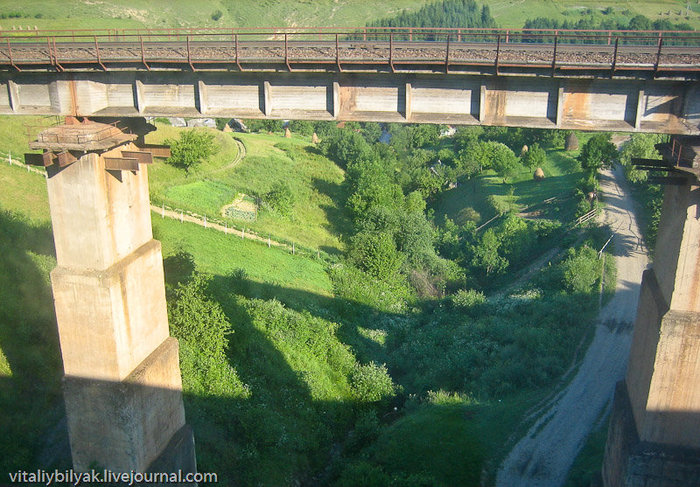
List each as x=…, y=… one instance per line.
x=193, y=147
x=376, y=254
x=468, y=298
x=581, y=270
x=221, y=123
x=216, y=15
x=280, y=198
x=371, y=383
x=196, y=319
x=597, y=152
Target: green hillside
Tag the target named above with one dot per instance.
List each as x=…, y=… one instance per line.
x=119, y=14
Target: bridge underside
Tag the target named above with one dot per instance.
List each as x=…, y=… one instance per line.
x=661, y=106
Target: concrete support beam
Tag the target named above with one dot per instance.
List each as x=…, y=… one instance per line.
x=267, y=99
x=335, y=110
x=408, y=103
x=639, y=112
x=482, y=103
x=560, y=105
x=139, y=96
x=202, y=100
x=654, y=435
x=662, y=106
x=122, y=385
x=13, y=93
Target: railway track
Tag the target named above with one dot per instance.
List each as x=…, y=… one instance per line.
x=415, y=51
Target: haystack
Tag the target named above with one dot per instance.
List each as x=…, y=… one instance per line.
x=524, y=150
x=314, y=138
x=539, y=174
x=288, y=133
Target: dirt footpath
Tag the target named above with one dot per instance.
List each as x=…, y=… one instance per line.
x=544, y=455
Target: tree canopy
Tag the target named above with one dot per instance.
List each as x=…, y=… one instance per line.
x=597, y=152
x=193, y=147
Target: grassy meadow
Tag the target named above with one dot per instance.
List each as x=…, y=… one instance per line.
x=317, y=218
x=122, y=14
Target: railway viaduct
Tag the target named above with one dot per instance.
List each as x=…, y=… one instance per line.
x=122, y=384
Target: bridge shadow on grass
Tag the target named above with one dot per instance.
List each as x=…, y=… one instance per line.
x=30, y=363
x=352, y=317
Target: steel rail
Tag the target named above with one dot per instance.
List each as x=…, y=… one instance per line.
x=27, y=51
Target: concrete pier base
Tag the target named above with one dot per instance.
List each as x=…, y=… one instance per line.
x=122, y=384
x=654, y=433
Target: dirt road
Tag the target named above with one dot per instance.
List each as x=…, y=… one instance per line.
x=544, y=455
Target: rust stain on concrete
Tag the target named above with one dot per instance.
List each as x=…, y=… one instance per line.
x=73, y=98
x=348, y=99
x=577, y=102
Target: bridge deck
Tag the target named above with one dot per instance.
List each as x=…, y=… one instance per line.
x=600, y=80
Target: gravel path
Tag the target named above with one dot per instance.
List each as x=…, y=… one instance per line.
x=544, y=455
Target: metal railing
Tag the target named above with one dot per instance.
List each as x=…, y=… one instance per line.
x=555, y=48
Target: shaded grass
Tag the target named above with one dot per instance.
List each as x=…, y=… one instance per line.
x=561, y=171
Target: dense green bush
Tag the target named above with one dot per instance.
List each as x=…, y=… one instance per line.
x=376, y=254
x=192, y=147
x=598, y=152
x=371, y=383
x=468, y=299
x=280, y=198
x=196, y=319
x=581, y=270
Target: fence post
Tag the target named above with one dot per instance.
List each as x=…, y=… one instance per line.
x=162, y=211
x=293, y=249
x=182, y=216
x=205, y=221
x=243, y=233
x=268, y=241
x=9, y=156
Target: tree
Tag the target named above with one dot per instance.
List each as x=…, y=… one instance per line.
x=346, y=147
x=376, y=254
x=503, y=160
x=424, y=135
x=466, y=136
x=597, y=152
x=581, y=270
x=302, y=127
x=193, y=147
x=486, y=256
x=535, y=157
x=371, y=131
x=639, y=146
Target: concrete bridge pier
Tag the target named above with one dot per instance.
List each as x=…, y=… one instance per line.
x=122, y=385
x=654, y=432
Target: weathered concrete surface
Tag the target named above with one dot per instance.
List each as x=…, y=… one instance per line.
x=544, y=455
x=126, y=425
x=630, y=462
x=122, y=385
x=658, y=422
x=663, y=106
